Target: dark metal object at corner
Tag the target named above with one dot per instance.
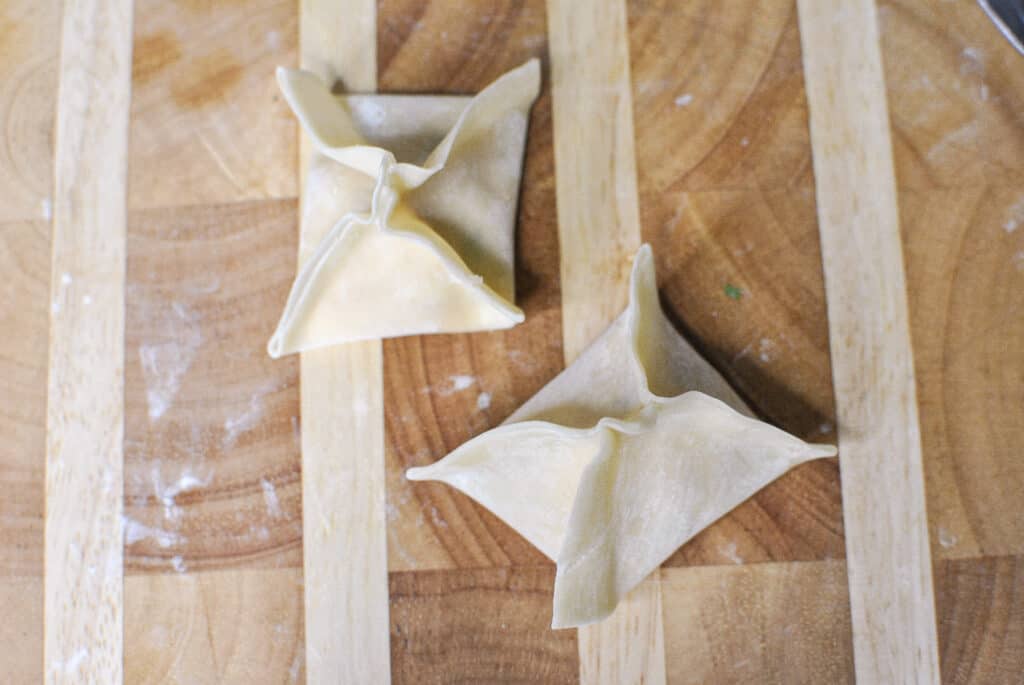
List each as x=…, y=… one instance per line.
x=1008, y=16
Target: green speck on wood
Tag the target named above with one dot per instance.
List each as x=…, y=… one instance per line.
x=733, y=292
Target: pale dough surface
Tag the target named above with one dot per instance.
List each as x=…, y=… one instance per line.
x=622, y=458
x=409, y=216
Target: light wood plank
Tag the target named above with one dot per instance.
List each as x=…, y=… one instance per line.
x=599, y=232
x=236, y=626
x=343, y=483
x=85, y=412
x=629, y=646
x=889, y=563
x=595, y=164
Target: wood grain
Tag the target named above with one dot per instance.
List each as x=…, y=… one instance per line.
x=215, y=627
x=599, y=232
x=212, y=466
x=434, y=48
x=764, y=623
x=956, y=90
x=981, y=620
x=790, y=622
x=83, y=608
x=478, y=625
x=343, y=483
x=28, y=96
x=966, y=296
x=24, y=309
x=889, y=561
x=719, y=84
x=208, y=125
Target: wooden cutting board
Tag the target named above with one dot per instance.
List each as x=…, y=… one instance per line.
x=213, y=553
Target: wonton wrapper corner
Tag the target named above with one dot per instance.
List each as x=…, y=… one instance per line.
x=622, y=458
x=409, y=212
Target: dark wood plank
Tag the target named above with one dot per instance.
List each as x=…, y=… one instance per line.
x=478, y=625
x=211, y=438
x=956, y=93
x=208, y=123
x=981, y=620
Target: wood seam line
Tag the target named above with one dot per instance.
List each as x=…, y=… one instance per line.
x=887, y=551
x=84, y=551
x=599, y=233
x=344, y=535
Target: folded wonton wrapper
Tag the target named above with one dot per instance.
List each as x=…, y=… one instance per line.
x=621, y=458
x=409, y=212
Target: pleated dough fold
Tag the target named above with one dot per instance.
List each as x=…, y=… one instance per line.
x=409, y=212
x=622, y=458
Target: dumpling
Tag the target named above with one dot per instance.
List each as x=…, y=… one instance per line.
x=622, y=458
x=409, y=212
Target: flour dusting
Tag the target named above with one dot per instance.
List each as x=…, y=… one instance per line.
x=730, y=553
x=270, y=498
x=1015, y=218
x=684, y=100
x=235, y=426
x=165, y=362
x=134, y=531
x=483, y=401
x=946, y=539
x=167, y=493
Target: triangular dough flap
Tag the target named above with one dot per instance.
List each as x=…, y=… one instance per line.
x=639, y=356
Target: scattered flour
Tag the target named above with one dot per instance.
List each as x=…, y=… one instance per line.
x=972, y=61
x=458, y=383
x=164, y=362
x=296, y=667
x=483, y=401
x=135, y=531
x=166, y=493
x=1015, y=219
x=235, y=426
x=946, y=539
x=730, y=553
x=684, y=99
x=178, y=564
x=74, y=662
x=270, y=498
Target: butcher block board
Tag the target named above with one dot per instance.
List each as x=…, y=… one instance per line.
x=213, y=565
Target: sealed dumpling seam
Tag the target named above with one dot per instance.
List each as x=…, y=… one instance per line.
x=396, y=247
